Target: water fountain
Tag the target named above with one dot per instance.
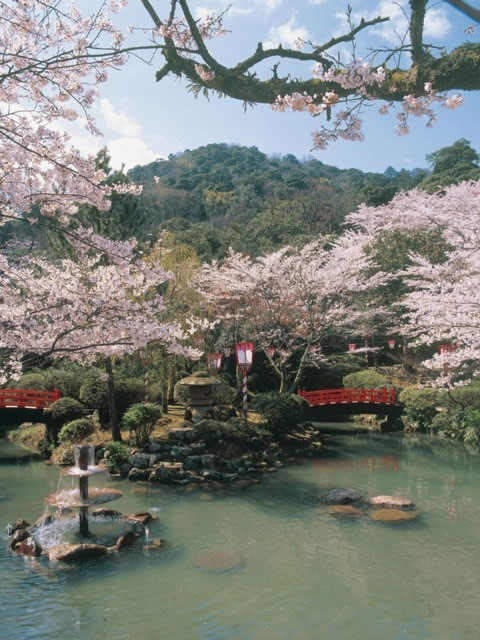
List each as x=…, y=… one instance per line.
x=84, y=497
x=56, y=535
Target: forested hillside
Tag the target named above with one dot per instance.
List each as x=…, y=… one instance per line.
x=221, y=195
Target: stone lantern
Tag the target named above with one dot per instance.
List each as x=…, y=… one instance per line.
x=200, y=395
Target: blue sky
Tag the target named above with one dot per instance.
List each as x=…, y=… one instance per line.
x=143, y=120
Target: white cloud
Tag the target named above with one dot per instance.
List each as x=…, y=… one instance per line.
x=317, y=1
x=286, y=34
x=437, y=24
x=118, y=120
x=129, y=152
x=268, y=5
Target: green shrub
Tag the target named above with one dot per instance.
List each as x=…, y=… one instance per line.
x=366, y=379
x=155, y=393
x=63, y=454
x=117, y=455
x=93, y=393
x=68, y=382
x=35, y=381
x=420, y=407
x=232, y=432
x=65, y=410
x=468, y=397
x=281, y=412
x=76, y=430
x=140, y=419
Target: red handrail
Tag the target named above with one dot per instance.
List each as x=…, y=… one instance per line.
x=27, y=398
x=348, y=396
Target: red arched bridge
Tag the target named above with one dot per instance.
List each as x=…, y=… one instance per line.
x=27, y=398
x=349, y=396
x=341, y=401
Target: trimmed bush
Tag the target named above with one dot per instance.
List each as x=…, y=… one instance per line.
x=234, y=433
x=65, y=410
x=69, y=382
x=63, y=455
x=420, y=407
x=35, y=381
x=117, y=455
x=366, y=379
x=128, y=391
x=76, y=430
x=281, y=412
x=140, y=419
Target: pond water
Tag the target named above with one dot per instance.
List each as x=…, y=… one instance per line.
x=299, y=573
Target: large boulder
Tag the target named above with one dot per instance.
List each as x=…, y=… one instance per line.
x=343, y=496
x=76, y=552
x=139, y=474
x=181, y=435
x=167, y=472
x=139, y=460
x=392, y=515
x=390, y=501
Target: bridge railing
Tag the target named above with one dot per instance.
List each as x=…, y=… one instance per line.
x=349, y=396
x=27, y=398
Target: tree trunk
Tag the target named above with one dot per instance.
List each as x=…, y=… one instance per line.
x=112, y=407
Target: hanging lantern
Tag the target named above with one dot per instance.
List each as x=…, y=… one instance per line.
x=244, y=357
x=352, y=346
x=214, y=362
x=391, y=344
x=446, y=348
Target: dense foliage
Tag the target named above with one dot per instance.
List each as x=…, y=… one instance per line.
x=76, y=430
x=140, y=420
x=281, y=412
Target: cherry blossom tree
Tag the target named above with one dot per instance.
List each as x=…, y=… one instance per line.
x=292, y=300
x=84, y=307
x=52, y=60
x=442, y=300
x=415, y=75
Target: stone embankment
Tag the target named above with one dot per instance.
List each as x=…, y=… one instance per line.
x=183, y=457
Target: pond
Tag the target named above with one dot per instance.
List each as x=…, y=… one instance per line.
x=267, y=562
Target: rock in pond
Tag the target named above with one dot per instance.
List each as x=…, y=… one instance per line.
x=143, y=518
x=20, y=523
x=105, y=513
x=19, y=536
x=345, y=511
x=29, y=547
x=127, y=540
x=390, y=501
x=155, y=545
x=77, y=552
x=392, y=515
x=343, y=496
x=218, y=560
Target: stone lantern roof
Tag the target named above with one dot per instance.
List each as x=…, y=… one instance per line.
x=200, y=379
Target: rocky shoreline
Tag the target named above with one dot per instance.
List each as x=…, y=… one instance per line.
x=184, y=457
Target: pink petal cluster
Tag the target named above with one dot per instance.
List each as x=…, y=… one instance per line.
x=51, y=61
x=83, y=307
x=443, y=302
x=204, y=73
